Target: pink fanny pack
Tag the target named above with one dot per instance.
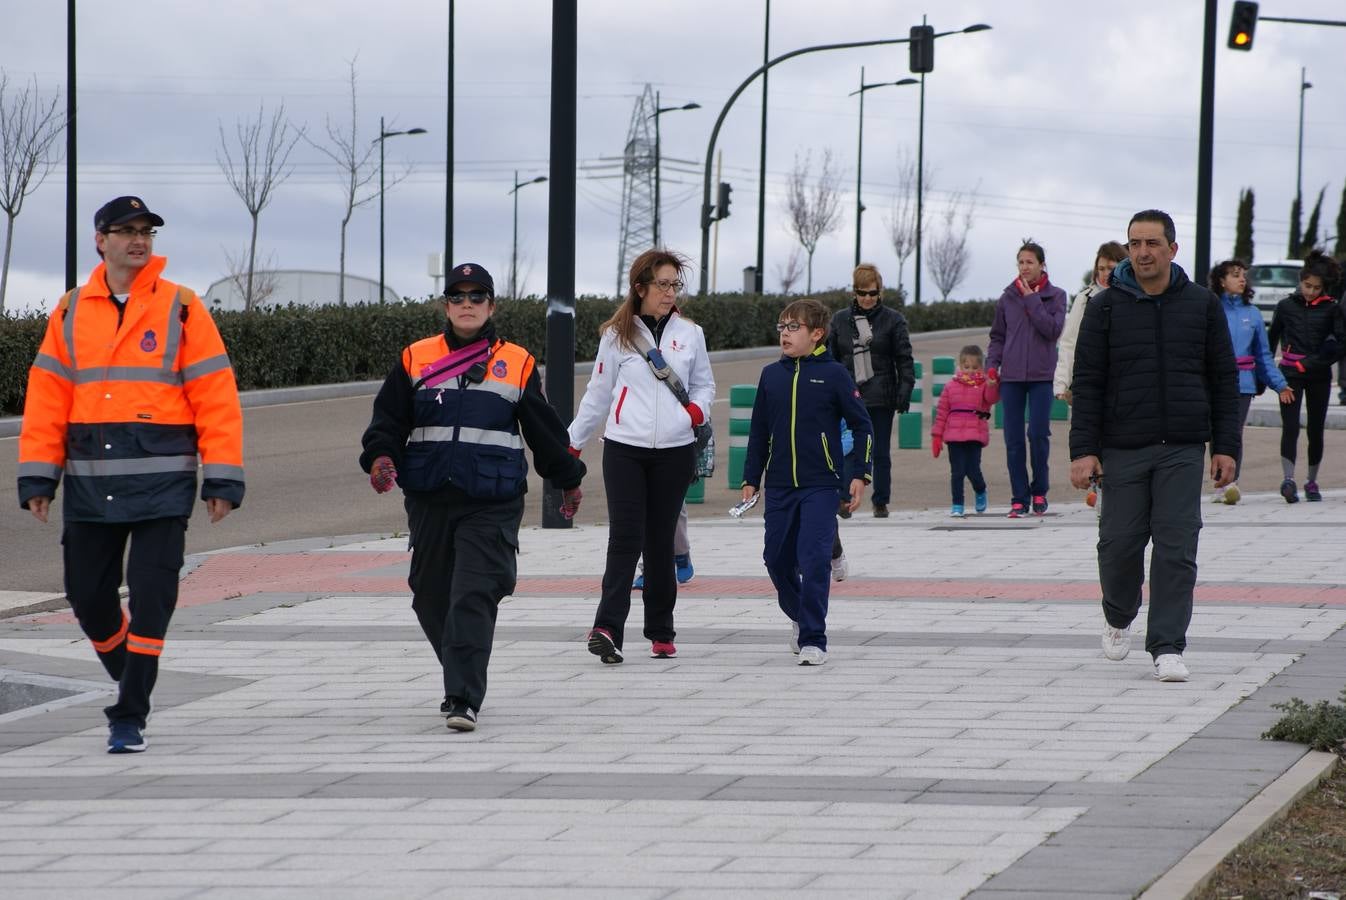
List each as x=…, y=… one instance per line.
x=1245, y=363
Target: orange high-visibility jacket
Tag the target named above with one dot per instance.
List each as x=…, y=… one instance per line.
x=123, y=411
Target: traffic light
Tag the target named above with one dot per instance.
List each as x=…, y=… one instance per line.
x=922, y=49
x=722, y=200
x=1242, y=24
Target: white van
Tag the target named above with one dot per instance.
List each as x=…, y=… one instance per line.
x=1272, y=282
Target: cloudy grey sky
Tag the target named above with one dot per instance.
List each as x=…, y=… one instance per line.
x=1067, y=117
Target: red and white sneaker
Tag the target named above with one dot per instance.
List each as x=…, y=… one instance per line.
x=663, y=650
x=1017, y=511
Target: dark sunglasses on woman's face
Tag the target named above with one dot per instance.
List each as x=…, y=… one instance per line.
x=860, y=293
x=477, y=297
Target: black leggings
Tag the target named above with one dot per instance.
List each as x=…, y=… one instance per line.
x=1317, y=394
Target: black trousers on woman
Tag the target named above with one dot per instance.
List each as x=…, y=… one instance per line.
x=1315, y=395
x=645, y=488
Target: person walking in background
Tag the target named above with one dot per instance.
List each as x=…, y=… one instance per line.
x=682, y=554
x=1252, y=353
x=961, y=425
x=1029, y=317
x=449, y=426
x=1154, y=381
x=871, y=341
x=1311, y=332
x=649, y=446
x=1110, y=253
x=794, y=442
x=132, y=382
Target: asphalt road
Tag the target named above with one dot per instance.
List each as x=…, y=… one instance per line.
x=304, y=480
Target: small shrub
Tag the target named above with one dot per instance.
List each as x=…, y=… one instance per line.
x=1322, y=726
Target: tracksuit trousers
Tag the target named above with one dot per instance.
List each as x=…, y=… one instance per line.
x=1151, y=495
x=463, y=563
x=645, y=490
x=128, y=646
x=801, y=526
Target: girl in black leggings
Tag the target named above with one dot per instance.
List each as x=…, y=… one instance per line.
x=1310, y=329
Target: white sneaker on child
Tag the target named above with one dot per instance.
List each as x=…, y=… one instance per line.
x=840, y=568
x=812, y=656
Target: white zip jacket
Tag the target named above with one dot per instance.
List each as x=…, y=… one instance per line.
x=1065, y=344
x=640, y=410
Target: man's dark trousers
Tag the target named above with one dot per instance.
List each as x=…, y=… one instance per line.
x=128, y=648
x=801, y=525
x=1152, y=494
x=463, y=562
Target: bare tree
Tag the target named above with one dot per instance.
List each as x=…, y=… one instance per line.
x=358, y=168
x=263, y=154
x=264, y=279
x=947, y=254
x=789, y=272
x=29, y=128
x=901, y=219
x=814, y=209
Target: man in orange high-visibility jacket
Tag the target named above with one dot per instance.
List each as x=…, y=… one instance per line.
x=131, y=383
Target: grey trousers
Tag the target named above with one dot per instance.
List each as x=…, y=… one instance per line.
x=1151, y=496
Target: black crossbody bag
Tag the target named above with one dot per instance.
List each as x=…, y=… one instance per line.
x=704, y=434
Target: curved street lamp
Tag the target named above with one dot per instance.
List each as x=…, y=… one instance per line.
x=658, y=157
x=384, y=134
x=860, y=146
x=514, y=256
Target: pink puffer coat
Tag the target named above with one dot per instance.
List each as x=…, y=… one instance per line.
x=962, y=399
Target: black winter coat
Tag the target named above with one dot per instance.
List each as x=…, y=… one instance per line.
x=1154, y=370
x=889, y=354
x=1317, y=331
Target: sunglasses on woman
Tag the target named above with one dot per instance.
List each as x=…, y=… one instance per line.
x=477, y=297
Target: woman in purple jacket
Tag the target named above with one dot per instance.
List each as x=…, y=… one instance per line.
x=1022, y=355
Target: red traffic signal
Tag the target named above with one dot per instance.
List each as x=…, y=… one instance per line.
x=1242, y=25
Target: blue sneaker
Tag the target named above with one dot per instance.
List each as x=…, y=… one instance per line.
x=981, y=502
x=956, y=510
x=125, y=737
x=639, y=583
x=684, y=570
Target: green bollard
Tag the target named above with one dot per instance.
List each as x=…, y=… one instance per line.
x=1060, y=409
x=696, y=492
x=741, y=398
x=910, y=431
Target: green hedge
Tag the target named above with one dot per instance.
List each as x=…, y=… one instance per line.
x=299, y=345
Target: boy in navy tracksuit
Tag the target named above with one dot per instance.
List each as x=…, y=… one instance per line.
x=796, y=438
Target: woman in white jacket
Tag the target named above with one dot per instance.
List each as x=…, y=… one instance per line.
x=1109, y=255
x=649, y=449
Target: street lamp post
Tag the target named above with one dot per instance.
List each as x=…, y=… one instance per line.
x=1299, y=165
x=860, y=148
x=384, y=134
x=514, y=255
x=658, y=159
x=706, y=218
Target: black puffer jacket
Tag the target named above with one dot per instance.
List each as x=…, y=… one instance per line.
x=1154, y=370
x=889, y=354
x=1316, y=331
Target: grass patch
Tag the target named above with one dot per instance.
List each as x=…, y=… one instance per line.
x=1303, y=854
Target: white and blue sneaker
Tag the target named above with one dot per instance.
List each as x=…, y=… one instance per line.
x=956, y=511
x=683, y=567
x=125, y=737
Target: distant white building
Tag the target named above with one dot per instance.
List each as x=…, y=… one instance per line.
x=301, y=287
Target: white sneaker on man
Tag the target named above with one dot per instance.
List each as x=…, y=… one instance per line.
x=1170, y=667
x=812, y=656
x=840, y=568
x=1116, y=642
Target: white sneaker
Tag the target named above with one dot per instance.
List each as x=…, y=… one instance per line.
x=1170, y=667
x=840, y=568
x=794, y=638
x=1116, y=642
x=812, y=656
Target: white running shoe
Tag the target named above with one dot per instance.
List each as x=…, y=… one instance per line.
x=1116, y=642
x=794, y=638
x=812, y=656
x=1170, y=667
x=840, y=568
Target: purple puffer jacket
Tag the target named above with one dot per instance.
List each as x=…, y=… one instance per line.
x=1023, y=336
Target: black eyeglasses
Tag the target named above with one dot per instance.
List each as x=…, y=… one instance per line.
x=860, y=293
x=132, y=232
x=477, y=297
x=792, y=327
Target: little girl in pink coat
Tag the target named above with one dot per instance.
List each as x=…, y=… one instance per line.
x=961, y=424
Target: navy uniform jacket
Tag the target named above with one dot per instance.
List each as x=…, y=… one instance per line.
x=795, y=436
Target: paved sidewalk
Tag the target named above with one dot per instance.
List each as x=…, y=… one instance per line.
x=965, y=736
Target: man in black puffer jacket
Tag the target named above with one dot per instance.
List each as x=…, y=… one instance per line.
x=871, y=341
x=1155, y=380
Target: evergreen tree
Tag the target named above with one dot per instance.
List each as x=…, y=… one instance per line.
x=1296, y=214
x=1243, y=231
x=1310, y=238
x=1339, y=251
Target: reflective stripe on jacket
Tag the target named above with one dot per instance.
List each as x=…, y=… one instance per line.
x=466, y=431
x=123, y=410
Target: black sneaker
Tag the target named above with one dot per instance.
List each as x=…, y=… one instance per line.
x=880, y=510
x=1311, y=492
x=125, y=737
x=1039, y=505
x=844, y=509
x=1289, y=491
x=604, y=647
x=444, y=707
x=461, y=717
